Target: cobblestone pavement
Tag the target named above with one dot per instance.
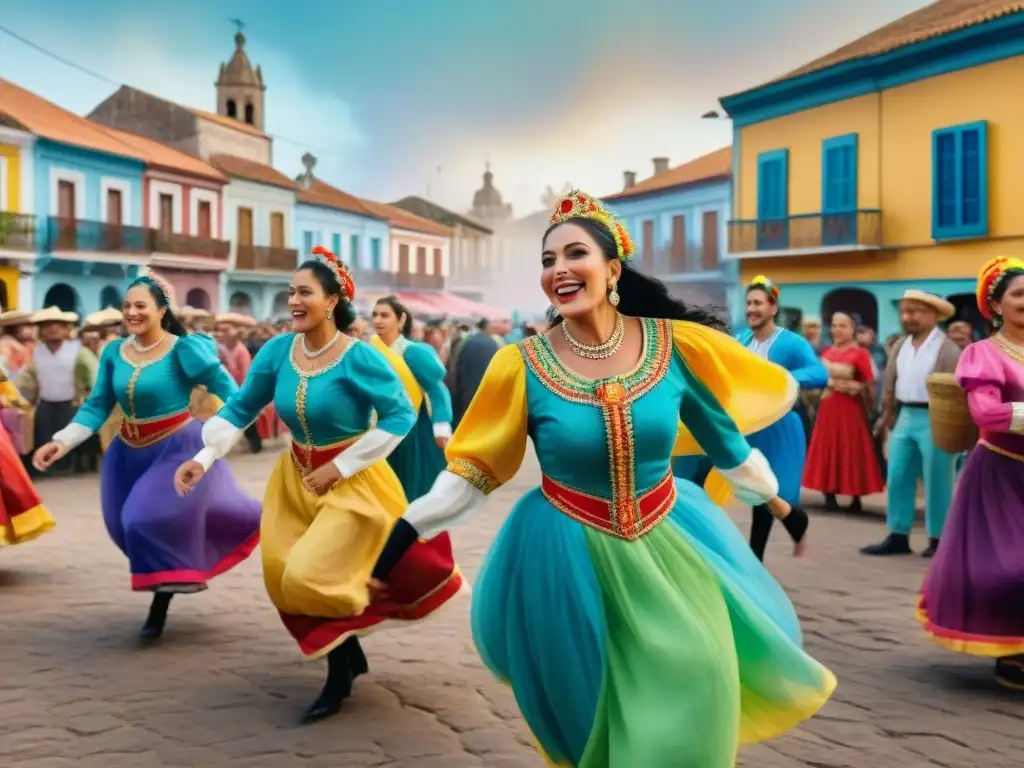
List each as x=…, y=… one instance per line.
x=225, y=685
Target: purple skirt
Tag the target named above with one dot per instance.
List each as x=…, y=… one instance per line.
x=973, y=597
x=175, y=543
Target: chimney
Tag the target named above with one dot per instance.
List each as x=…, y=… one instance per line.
x=628, y=179
x=660, y=165
x=306, y=179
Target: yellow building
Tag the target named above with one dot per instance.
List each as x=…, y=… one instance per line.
x=895, y=162
x=17, y=242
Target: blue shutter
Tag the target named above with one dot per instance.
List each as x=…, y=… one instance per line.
x=960, y=181
x=839, y=174
x=375, y=254
x=773, y=199
x=336, y=244
x=307, y=243
x=354, y=251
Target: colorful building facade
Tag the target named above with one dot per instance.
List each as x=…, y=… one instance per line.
x=17, y=228
x=678, y=218
x=890, y=164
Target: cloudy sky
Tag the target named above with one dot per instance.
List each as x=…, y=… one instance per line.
x=399, y=97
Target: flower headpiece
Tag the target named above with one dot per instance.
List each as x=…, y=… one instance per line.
x=162, y=289
x=991, y=277
x=766, y=285
x=339, y=270
x=580, y=205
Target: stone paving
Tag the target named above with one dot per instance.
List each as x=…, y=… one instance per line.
x=225, y=686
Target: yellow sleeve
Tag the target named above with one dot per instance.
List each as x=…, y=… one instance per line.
x=488, y=447
x=412, y=387
x=754, y=392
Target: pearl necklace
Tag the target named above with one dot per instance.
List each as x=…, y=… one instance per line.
x=311, y=353
x=144, y=350
x=597, y=351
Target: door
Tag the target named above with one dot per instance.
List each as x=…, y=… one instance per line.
x=66, y=215
x=437, y=262
x=709, y=241
x=648, y=245
x=403, y=259
x=277, y=230
x=678, y=245
x=204, y=226
x=244, y=234
x=166, y=214
x=113, y=237
x=421, y=260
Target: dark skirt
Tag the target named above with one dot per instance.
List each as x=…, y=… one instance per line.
x=418, y=460
x=50, y=419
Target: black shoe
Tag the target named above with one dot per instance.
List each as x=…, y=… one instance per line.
x=344, y=664
x=855, y=506
x=831, y=503
x=1010, y=672
x=894, y=544
x=157, y=619
x=933, y=547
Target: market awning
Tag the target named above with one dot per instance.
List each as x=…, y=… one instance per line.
x=420, y=304
x=452, y=305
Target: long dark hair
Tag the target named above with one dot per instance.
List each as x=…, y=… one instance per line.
x=344, y=313
x=404, y=327
x=641, y=295
x=999, y=291
x=169, y=322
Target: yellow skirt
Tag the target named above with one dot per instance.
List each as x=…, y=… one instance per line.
x=319, y=551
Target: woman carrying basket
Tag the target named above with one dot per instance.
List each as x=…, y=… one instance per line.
x=973, y=597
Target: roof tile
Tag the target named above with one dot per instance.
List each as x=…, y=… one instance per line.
x=250, y=170
x=404, y=220
x=715, y=165
x=323, y=194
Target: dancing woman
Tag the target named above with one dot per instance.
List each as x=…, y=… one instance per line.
x=22, y=514
x=331, y=499
x=174, y=546
x=784, y=443
x=973, y=597
x=419, y=458
x=631, y=619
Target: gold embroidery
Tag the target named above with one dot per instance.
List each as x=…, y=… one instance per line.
x=476, y=476
x=302, y=390
x=131, y=420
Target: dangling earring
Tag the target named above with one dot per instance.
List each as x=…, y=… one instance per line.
x=330, y=314
x=613, y=295
x=997, y=321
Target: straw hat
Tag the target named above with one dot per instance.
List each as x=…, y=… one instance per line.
x=942, y=308
x=54, y=315
x=103, y=318
x=190, y=313
x=234, y=318
x=15, y=317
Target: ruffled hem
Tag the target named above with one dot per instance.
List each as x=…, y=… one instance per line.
x=146, y=582
x=958, y=641
x=26, y=526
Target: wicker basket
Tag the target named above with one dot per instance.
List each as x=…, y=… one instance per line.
x=953, y=430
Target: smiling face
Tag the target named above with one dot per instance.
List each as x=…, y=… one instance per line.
x=141, y=313
x=576, y=274
x=1011, y=305
x=308, y=303
x=760, y=310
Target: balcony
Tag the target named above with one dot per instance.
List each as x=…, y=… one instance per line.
x=419, y=281
x=264, y=258
x=807, y=233
x=17, y=232
x=373, y=280
x=186, y=245
x=79, y=235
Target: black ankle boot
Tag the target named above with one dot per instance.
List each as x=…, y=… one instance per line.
x=855, y=506
x=344, y=664
x=894, y=544
x=831, y=503
x=933, y=547
x=1010, y=672
x=157, y=619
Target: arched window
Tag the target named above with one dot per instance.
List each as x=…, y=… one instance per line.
x=62, y=296
x=232, y=108
x=110, y=297
x=250, y=114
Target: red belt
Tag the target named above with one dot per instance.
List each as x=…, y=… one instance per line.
x=627, y=518
x=140, y=434
x=310, y=457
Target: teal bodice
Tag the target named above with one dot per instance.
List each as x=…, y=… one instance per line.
x=155, y=388
x=328, y=406
x=429, y=372
x=613, y=438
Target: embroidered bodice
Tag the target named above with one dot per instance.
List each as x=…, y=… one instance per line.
x=155, y=388
x=327, y=406
x=991, y=371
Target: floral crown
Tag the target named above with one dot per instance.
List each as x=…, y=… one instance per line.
x=766, y=285
x=991, y=277
x=339, y=270
x=580, y=205
x=162, y=289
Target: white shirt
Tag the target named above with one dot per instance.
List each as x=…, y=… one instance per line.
x=55, y=371
x=914, y=365
x=762, y=348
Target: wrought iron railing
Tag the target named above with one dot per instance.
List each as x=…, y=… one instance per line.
x=187, y=245
x=419, y=280
x=17, y=231
x=856, y=229
x=267, y=258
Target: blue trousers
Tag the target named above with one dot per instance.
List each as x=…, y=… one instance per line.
x=913, y=455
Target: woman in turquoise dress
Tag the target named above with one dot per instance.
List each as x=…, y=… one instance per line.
x=632, y=621
x=331, y=499
x=173, y=545
x=419, y=458
x=784, y=443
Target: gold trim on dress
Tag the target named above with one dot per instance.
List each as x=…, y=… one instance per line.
x=302, y=389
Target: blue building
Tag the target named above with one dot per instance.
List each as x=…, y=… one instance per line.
x=88, y=239
x=677, y=218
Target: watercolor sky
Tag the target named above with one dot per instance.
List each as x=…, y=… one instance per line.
x=406, y=97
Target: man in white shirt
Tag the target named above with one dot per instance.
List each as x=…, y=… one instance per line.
x=913, y=455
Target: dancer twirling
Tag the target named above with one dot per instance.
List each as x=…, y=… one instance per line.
x=22, y=514
x=625, y=610
x=784, y=443
x=332, y=498
x=173, y=545
x=973, y=597
x=841, y=460
x=419, y=458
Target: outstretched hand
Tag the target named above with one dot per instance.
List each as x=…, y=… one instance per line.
x=188, y=476
x=48, y=455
